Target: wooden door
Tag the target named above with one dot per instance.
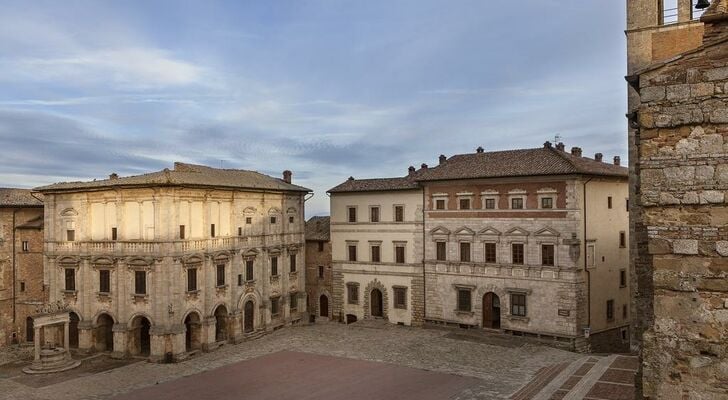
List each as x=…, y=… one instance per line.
x=324, y=306
x=248, y=325
x=376, y=299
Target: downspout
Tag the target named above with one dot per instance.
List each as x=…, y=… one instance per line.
x=424, y=277
x=586, y=264
x=14, y=271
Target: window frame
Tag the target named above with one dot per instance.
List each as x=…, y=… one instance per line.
x=459, y=305
x=522, y=253
x=519, y=199
x=69, y=278
x=494, y=258
x=469, y=253
x=552, y=246
x=444, y=250
x=543, y=200
x=351, y=214
x=378, y=247
x=220, y=275
x=104, y=281
x=321, y=272
x=292, y=263
x=140, y=283
x=375, y=214
x=352, y=293
x=192, y=278
x=398, y=213
x=518, y=308
x=622, y=278
x=249, y=270
x=622, y=239
x=400, y=246
x=274, y=266
x=399, y=293
x=610, y=310
x=352, y=252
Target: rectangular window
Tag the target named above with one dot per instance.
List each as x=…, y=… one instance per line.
x=249, y=270
x=352, y=214
x=518, y=305
x=212, y=230
x=441, y=251
x=290, y=220
x=610, y=310
x=547, y=202
x=248, y=220
x=622, y=239
x=104, y=281
x=320, y=246
x=274, y=306
x=352, y=292
x=221, y=275
x=547, y=254
x=465, y=204
x=374, y=214
x=517, y=253
x=464, y=251
x=293, y=262
x=70, y=279
x=191, y=279
x=70, y=235
x=622, y=278
x=517, y=203
x=182, y=232
x=399, y=254
x=22, y=286
x=274, y=266
x=440, y=204
x=273, y=220
x=376, y=253
x=398, y=213
x=624, y=311
x=490, y=204
x=352, y=252
x=464, y=303
x=609, y=202
x=321, y=272
x=25, y=246
x=590, y=254
x=240, y=279
x=114, y=234
x=668, y=11
x=400, y=297
x=140, y=282
x=490, y=253
x=240, y=231
x=626, y=205
x=293, y=300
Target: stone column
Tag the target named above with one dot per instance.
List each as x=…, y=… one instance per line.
x=66, y=344
x=208, y=333
x=36, y=342
x=236, y=330
x=86, y=336
x=120, y=340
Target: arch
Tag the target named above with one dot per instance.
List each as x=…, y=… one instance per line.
x=196, y=258
x=221, y=323
x=69, y=260
x=324, y=306
x=291, y=210
x=139, y=338
x=103, y=332
x=95, y=318
x=69, y=212
x=102, y=261
x=375, y=284
x=273, y=211
x=193, y=330
x=73, y=329
x=249, y=211
x=491, y=311
x=217, y=305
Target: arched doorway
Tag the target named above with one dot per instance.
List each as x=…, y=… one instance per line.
x=376, y=303
x=249, y=317
x=221, y=316
x=323, y=306
x=140, y=341
x=193, y=329
x=491, y=311
x=73, y=330
x=104, y=334
x=29, y=331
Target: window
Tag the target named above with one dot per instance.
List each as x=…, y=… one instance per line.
x=212, y=230
x=274, y=306
x=240, y=279
x=622, y=239
x=293, y=262
x=465, y=204
x=240, y=231
x=399, y=254
x=70, y=235
x=547, y=202
x=490, y=253
x=374, y=214
x=249, y=270
x=669, y=11
x=248, y=220
x=441, y=251
x=220, y=275
x=70, y=279
x=440, y=204
x=321, y=271
x=400, y=297
x=181, y=231
x=517, y=203
x=624, y=311
x=274, y=266
x=273, y=220
x=22, y=286
x=25, y=245
x=352, y=293
x=114, y=235
x=609, y=202
x=398, y=213
x=352, y=214
x=626, y=205
x=464, y=303
x=104, y=281
x=464, y=251
x=191, y=279
x=490, y=204
x=517, y=253
x=293, y=301
x=290, y=220
x=320, y=246
x=622, y=278
x=610, y=310
x=547, y=254
x=518, y=304
x=140, y=282
x=376, y=253
x=352, y=252
x=590, y=254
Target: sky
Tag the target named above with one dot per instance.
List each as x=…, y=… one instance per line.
x=328, y=89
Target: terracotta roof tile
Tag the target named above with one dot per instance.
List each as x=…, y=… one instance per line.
x=318, y=228
x=12, y=197
x=375, y=185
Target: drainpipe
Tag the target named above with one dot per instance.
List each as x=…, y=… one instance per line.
x=424, y=277
x=14, y=272
x=586, y=264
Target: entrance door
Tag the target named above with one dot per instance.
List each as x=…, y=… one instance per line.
x=73, y=330
x=104, y=333
x=145, y=343
x=324, y=306
x=248, y=318
x=376, y=300
x=491, y=311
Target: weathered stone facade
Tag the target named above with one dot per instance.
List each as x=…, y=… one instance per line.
x=319, y=274
x=680, y=147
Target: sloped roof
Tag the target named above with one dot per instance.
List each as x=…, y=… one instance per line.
x=375, y=185
x=522, y=162
x=186, y=175
x=318, y=228
x=12, y=197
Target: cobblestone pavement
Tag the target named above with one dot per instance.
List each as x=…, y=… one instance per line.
x=501, y=370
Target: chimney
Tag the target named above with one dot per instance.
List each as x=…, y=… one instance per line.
x=287, y=175
x=442, y=159
x=114, y=176
x=547, y=145
x=423, y=166
x=576, y=151
x=351, y=178
x=616, y=160
x=598, y=157
x=560, y=146
x=411, y=170
x=480, y=149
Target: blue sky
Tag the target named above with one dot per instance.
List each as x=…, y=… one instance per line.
x=325, y=88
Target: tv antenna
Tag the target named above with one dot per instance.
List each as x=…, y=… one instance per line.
x=557, y=138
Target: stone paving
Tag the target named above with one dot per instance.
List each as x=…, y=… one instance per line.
x=501, y=370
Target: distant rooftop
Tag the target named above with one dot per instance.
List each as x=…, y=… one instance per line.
x=318, y=228
x=185, y=175
x=12, y=197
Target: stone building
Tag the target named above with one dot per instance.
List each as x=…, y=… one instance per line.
x=319, y=289
x=169, y=262
x=531, y=242
x=21, y=264
x=679, y=156
x=376, y=239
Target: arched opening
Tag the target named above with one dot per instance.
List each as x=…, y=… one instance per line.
x=376, y=303
x=73, y=330
x=103, y=333
x=323, y=306
x=491, y=311
x=193, y=329
x=140, y=341
x=221, y=316
x=350, y=318
x=29, y=331
x=249, y=317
